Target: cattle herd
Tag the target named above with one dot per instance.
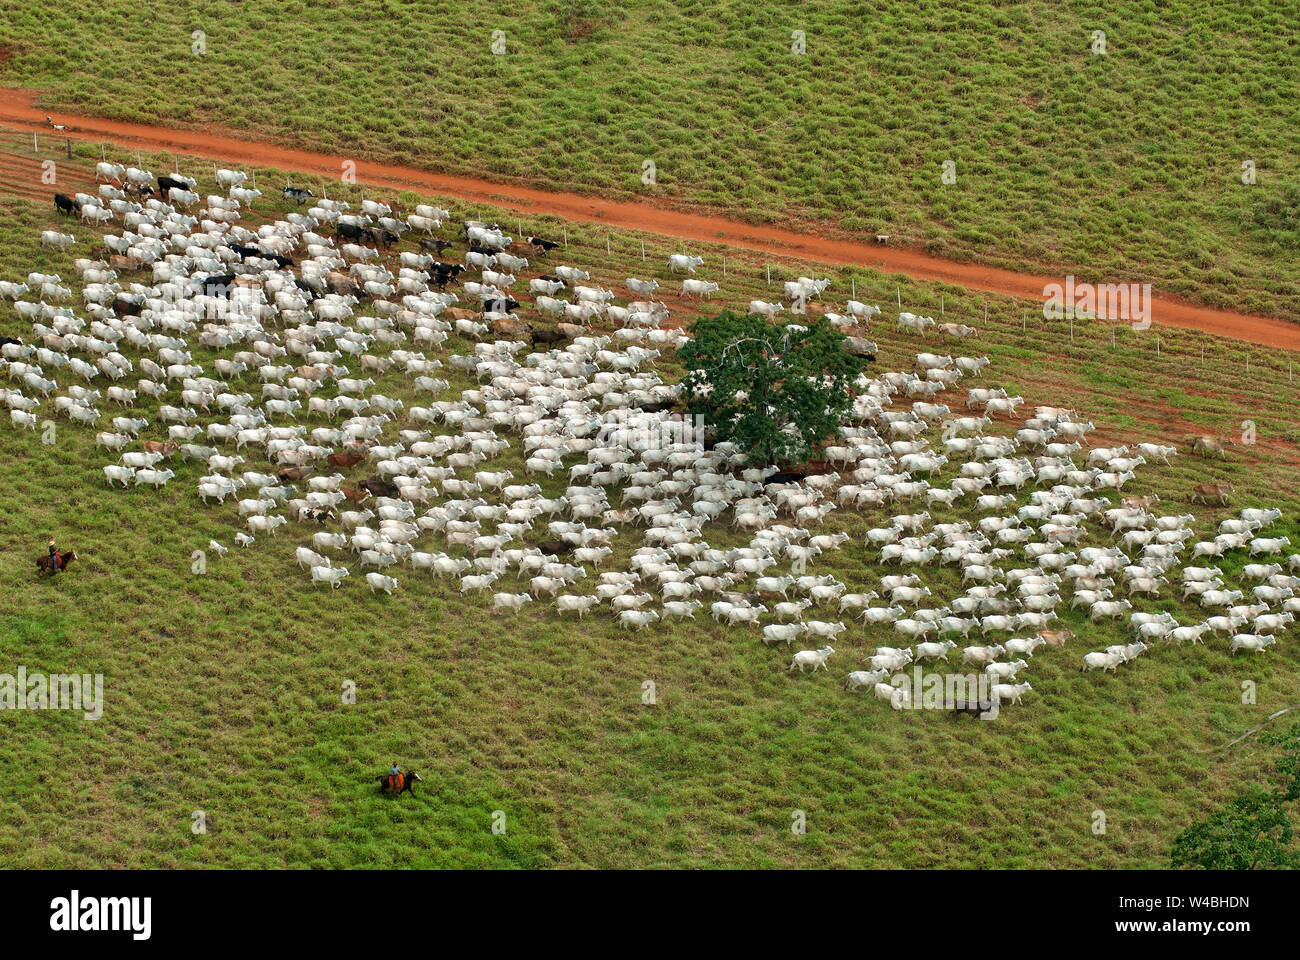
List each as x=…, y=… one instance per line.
x=282, y=437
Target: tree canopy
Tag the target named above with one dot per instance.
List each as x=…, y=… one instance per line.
x=778, y=392
x=1252, y=831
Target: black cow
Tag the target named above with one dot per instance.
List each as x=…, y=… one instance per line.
x=381, y=488
x=351, y=231
x=443, y=273
x=128, y=304
x=167, y=183
x=662, y=407
x=296, y=193
x=788, y=476
x=246, y=251
x=547, y=336
x=5, y=341
x=546, y=246
x=65, y=204
x=434, y=245
x=381, y=237
x=218, y=286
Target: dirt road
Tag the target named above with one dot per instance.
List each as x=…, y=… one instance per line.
x=17, y=110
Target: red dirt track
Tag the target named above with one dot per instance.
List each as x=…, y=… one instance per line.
x=17, y=110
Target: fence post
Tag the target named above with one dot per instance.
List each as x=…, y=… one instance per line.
x=1023, y=328
x=853, y=288
x=769, y=274
x=1248, y=361
x=1112, y=338
x=724, y=265
x=36, y=146
x=566, y=238
x=607, y=244
x=1157, y=344
x=642, y=249
x=898, y=292
x=941, y=310
x=1072, y=327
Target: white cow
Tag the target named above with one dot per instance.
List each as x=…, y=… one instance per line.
x=817, y=658
x=681, y=261
x=331, y=575
x=699, y=288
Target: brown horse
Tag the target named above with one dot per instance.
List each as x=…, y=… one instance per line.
x=399, y=783
x=45, y=565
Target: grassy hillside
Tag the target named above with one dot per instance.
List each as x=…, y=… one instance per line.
x=223, y=690
x=1122, y=166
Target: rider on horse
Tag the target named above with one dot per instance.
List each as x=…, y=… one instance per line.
x=54, y=557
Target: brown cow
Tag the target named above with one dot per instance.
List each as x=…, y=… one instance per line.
x=341, y=284
x=859, y=347
x=344, y=460
x=510, y=327
x=1056, y=638
x=166, y=449
x=1145, y=503
x=292, y=474
x=1205, y=492
x=1209, y=447
x=1092, y=583
x=460, y=313
x=571, y=329
x=356, y=496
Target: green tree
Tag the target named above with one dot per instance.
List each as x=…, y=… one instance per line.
x=1252, y=831
x=779, y=393
x=1286, y=768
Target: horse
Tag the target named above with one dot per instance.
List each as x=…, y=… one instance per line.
x=45, y=564
x=400, y=783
